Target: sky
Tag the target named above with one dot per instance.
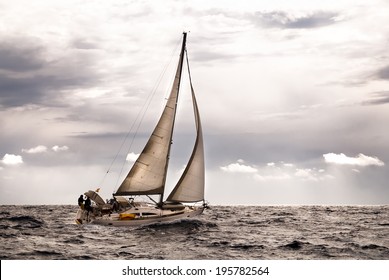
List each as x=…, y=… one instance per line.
x=293, y=97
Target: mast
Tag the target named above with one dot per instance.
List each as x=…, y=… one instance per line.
x=180, y=64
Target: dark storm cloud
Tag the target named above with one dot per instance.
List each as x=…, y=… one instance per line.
x=377, y=98
x=20, y=91
x=39, y=89
x=281, y=19
x=18, y=57
x=26, y=77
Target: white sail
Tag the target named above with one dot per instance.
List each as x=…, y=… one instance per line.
x=190, y=187
x=148, y=174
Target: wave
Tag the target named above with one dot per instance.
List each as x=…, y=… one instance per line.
x=47, y=253
x=74, y=240
x=294, y=245
x=370, y=246
x=25, y=222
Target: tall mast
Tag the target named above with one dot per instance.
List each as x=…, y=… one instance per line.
x=180, y=64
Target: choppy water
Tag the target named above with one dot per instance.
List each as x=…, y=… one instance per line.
x=222, y=232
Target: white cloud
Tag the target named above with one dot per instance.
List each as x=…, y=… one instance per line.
x=132, y=157
x=278, y=172
x=35, y=150
x=10, y=159
x=42, y=149
x=360, y=160
x=279, y=164
x=58, y=148
x=238, y=168
x=312, y=174
x=306, y=174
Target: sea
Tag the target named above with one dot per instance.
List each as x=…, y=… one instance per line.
x=49, y=232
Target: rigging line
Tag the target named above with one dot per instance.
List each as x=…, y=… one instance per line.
x=144, y=108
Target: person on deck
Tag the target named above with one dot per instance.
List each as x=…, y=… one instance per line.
x=81, y=201
x=115, y=204
x=88, y=204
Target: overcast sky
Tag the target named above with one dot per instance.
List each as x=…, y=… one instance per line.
x=293, y=96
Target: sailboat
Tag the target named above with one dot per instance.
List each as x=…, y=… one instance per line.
x=147, y=177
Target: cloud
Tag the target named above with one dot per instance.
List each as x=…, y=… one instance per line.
x=19, y=56
x=306, y=174
x=59, y=149
x=35, y=150
x=281, y=19
x=38, y=89
x=42, y=149
x=132, y=157
x=360, y=160
x=84, y=44
x=29, y=76
x=11, y=159
x=238, y=168
x=383, y=73
x=281, y=171
x=377, y=98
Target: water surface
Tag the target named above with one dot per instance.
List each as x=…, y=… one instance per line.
x=222, y=232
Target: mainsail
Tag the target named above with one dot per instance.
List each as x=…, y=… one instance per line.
x=148, y=174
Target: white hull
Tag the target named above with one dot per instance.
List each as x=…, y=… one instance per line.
x=154, y=215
